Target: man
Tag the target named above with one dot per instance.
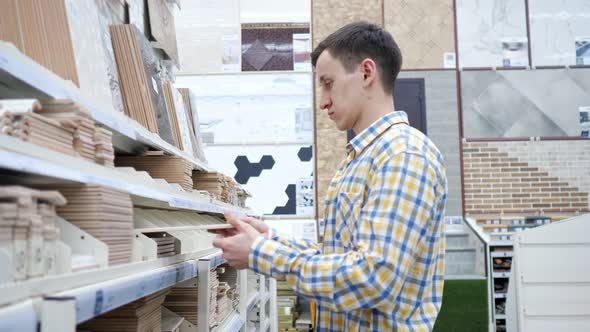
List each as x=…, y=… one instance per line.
x=380, y=267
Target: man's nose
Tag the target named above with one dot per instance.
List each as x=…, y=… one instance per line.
x=325, y=102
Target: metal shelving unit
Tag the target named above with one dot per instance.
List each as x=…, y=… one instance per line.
x=500, y=243
x=60, y=302
x=33, y=160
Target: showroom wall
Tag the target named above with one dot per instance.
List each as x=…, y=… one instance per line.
x=513, y=69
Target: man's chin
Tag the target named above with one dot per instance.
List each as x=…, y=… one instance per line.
x=341, y=127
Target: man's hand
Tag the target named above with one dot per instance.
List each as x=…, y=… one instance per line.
x=236, y=243
x=258, y=225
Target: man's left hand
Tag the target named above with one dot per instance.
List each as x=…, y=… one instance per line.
x=236, y=248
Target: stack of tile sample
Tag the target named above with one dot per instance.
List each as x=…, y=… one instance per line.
x=71, y=115
x=59, y=125
x=184, y=302
x=194, y=123
x=28, y=234
x=141, y=86
x=220, y=186
x=40, y=30
x=224, y=302
x=227, y=293
x=143, y=315
x=171, y=168
x=214, y=319
x=166, y=243
x=242, y=196
x=174, y=113
x=104, y=153
x=103, y=212
x=39, y=130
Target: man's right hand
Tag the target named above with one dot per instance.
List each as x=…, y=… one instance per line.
x=258, y=224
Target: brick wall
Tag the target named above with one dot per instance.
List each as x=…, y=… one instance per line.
x=526, y=177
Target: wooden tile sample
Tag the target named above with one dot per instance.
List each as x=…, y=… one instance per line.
x=104, y=213
x=40, y=30
x=39, y=130
x=143, y=315
x=140, y=83
x=218, y=185
x=171, y=168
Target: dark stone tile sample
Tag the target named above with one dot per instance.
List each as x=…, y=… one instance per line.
x=269, y=46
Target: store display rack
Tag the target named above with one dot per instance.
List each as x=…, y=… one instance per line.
x=80, y=296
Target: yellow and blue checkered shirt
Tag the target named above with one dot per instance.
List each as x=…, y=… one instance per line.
x=381, y=265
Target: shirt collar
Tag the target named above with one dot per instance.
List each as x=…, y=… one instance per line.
x=367, y=136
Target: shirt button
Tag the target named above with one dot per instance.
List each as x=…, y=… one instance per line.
x=337, y=236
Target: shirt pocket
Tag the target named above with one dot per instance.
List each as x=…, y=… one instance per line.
x=347, y=219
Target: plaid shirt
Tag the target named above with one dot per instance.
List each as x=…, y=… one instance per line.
x=381, y=265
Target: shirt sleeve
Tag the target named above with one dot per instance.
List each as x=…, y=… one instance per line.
x=299, y=244
x=392, y=221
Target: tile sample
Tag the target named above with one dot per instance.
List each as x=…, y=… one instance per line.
x=555, y=26
x=41, y=31
x=111, y=12
x=85, y=28
x=526, y=177
x=278, y=179
x=524, y=103
x=424, y=31
x=269, y=46
x=271, y=11
x=492, y=33
x=205, y=31
x=230, y=113
x=162, y=28
x=136, y=62
x=443, y=127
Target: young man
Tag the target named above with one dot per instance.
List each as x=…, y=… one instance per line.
x=380, y=267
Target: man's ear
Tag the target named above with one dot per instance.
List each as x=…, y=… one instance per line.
x=369, y=71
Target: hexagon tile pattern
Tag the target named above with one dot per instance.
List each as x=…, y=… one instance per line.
x=247, y=169
x=305, y=154
x=290, y=207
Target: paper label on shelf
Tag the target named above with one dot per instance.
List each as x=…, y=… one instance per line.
x=584, y=121
x=303, y=123
x=582, y=46
x=182, y=204
x=98, y=302
x=515, y=52
x=301, y=52
x=230, y=59
x=449, y=60
x=304, y=192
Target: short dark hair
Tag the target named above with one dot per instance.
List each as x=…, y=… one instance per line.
x=357, y=41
